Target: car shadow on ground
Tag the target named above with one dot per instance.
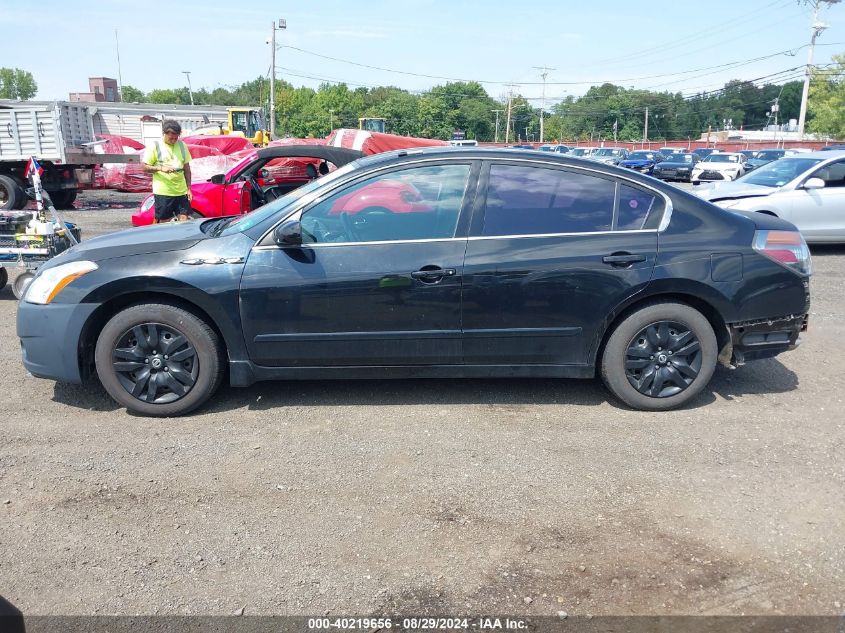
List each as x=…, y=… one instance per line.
x=761, y=377
x=11, y=618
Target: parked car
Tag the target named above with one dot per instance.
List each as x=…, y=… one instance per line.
x=260, y=177
x=807, y=189
x=642, y=161
x=531, y=265
x=719, y=166
x=666, y=151
x=703, y=152
x=610, y=155
x=764, y=156
x=676, y=167
x=829, y=148
x=748, y=153
x=560, y=149
x=581, y=152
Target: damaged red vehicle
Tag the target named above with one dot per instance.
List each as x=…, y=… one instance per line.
x=260, y=177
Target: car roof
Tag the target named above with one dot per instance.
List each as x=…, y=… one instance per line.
x=339, y=156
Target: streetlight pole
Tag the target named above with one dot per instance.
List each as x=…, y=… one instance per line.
x=496, y=139
x=817, y=27
x=281, y=26
x=187, y=73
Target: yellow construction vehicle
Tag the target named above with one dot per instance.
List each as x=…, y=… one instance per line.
x=371, y=124
x=242, y=121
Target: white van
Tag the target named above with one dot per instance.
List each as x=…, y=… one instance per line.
x=464, y=142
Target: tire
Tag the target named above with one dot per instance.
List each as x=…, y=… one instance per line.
x=4, y=277
x=12, y=195
x=19, y=285
x=659, y=333
x=138, y=331
x=63, y=199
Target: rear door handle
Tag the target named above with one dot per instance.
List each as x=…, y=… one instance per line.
x=431, y=274
x=623, y=259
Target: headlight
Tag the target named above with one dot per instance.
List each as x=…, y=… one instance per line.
x=148, y=204
x=49, y=283
x=726, y=204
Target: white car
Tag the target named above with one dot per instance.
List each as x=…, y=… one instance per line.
x=719, y=166
x=582, y=152
x=807, y=189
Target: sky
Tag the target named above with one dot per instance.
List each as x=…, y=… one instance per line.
x=686, y=46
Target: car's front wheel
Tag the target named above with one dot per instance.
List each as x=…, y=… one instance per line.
x=660, y=356
x=158, y=359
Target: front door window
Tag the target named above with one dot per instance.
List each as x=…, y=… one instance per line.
x=413, y=204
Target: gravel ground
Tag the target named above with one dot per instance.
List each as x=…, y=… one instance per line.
x=522, y=497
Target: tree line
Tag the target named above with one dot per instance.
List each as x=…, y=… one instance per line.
x=605, y=112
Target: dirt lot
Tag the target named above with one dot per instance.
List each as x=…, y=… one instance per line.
x=449, y=497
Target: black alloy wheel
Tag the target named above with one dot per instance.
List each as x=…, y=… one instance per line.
x=663, y=359
x=155, y=363
x=659, y=356
x=159, y=359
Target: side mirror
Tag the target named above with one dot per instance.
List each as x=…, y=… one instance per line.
x=288, y=233
x=218, y=179
x=814, y=183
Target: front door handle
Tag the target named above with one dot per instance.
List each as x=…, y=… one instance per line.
x=431, y=274
x=623, y=259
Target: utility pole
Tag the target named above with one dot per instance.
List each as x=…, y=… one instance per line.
x=508, y=122
x=645, y=128
x=281, y=26
x=496, y=139
x=119, y=74
x=817, y=28
x=187, y=74
x=543, y=74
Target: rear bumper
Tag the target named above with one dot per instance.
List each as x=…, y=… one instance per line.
x=754, y=340
x=49, y=337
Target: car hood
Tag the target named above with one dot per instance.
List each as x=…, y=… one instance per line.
x=671, y=164
x=708, y=166
x=157, y=238
x=735, y=189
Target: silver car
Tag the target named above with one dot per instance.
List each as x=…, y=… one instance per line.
x=807, y=190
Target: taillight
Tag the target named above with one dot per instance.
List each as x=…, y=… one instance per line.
x=787, y=248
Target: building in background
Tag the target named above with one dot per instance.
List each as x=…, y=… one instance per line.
x=99, y=89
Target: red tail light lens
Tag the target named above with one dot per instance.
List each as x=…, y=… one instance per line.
x=787, y=248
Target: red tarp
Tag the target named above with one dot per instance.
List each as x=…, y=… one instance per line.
x=375, y=142
x=226, y=144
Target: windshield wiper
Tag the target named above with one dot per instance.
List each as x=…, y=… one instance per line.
x=217, y=229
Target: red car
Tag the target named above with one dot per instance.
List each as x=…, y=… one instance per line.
x=260, y=177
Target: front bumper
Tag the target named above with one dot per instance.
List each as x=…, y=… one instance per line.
x=49, y=337
x=754, y=340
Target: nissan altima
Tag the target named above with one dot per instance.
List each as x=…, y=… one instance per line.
x=427, y=263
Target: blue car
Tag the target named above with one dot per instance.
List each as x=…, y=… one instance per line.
x=642, y=161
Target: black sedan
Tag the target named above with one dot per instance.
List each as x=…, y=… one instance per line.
x=676, y=167
x=427, y=263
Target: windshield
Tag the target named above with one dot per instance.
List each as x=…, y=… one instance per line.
x=579, y=151
x=770, y=154
x=722, y=158
x=679, y=158
x=244, y=222
x=607, y=151
x=779, y=172
x=641, y=156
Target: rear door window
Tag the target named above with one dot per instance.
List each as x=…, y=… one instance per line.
x=524, y=200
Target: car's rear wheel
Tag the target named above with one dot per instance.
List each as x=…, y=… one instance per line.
x=158, y=359
x=660, y=357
